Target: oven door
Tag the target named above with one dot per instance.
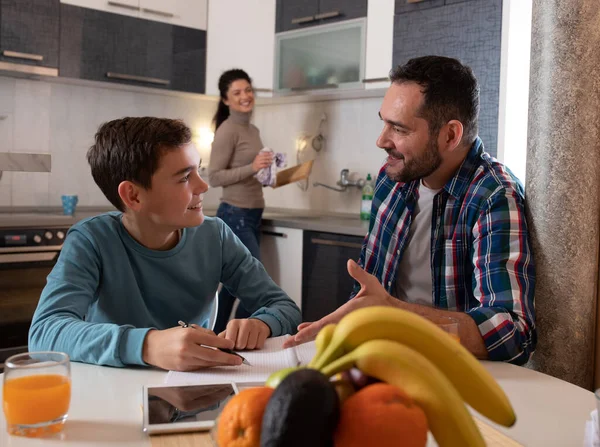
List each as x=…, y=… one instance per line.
x=23, y=275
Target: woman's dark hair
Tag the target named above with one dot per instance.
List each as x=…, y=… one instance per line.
x=225, y=81
x=450, y=92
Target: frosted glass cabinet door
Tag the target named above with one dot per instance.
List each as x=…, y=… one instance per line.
x=327, y=56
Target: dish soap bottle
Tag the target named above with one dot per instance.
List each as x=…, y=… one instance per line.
x=367, y=199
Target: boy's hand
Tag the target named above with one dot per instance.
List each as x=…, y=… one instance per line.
x=248, y=333
x=186, y=349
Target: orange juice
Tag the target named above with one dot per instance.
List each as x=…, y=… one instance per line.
x=36, y=398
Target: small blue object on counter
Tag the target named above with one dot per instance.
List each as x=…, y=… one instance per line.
x=69, y=203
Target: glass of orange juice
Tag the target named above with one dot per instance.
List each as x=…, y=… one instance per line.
x=36, y=393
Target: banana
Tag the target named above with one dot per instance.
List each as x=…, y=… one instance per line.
x=323, y=338
x=474, y=383
x=399, y=365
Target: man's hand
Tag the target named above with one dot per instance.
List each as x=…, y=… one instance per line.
x=186, y=349
x=371, y=293
x=249, y=333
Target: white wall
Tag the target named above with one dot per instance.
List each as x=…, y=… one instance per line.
x=514, y=85
x=41, y=117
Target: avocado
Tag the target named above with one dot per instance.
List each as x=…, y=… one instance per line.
x=303, y=411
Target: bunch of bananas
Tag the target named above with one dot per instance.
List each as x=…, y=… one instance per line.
x=408, y=351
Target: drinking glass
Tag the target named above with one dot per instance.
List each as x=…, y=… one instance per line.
x=449, y=325
x=36, y=393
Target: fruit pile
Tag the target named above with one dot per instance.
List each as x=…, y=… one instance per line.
x=424, y=376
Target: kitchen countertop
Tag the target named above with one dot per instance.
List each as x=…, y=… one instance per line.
x=339, y=223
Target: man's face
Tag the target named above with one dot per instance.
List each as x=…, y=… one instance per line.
x=174, y=199
x=412, y=152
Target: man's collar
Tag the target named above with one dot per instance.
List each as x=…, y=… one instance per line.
x=457, y=185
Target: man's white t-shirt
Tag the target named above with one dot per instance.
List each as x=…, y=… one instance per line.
x=413, y=280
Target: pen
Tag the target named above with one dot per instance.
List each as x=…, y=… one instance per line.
x=228, y=351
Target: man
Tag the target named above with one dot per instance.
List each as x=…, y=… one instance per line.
x=448, y=235
x=124, y=279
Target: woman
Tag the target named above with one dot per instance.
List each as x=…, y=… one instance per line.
x=234, y=160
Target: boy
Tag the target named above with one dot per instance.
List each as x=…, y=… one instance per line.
x=124, y=279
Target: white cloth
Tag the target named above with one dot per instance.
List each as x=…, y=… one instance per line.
x=268, y=176
x=591, y=437
x=413, y=280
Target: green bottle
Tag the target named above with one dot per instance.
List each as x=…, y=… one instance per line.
x=367, y=199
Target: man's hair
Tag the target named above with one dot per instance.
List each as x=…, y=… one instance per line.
x=130, y=149
x=450, y=92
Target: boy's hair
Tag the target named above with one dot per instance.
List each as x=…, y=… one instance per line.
x=130, y=149
x=450, y=92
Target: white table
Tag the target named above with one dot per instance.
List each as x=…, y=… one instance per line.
x=105, y=408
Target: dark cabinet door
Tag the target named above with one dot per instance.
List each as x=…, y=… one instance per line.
x=326, y=284
x=189, y=60
x=337, y=10
x=87, y=43
x=403, y=6
x=142, y=52
x=469, y=31
x=29, y=32
x=295, y=14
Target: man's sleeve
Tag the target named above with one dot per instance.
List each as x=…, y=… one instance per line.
x=246, y=278
x=58, y=323
x=504, y=279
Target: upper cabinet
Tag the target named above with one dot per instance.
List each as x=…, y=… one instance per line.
x=188, y=13
x=29, y=33
x=298, y=14
x=380, y=43
x=108, y=47
x=247, y=42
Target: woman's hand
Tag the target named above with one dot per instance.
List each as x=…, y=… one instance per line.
x=262, y=160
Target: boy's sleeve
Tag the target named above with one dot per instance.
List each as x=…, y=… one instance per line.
x=58, y=323
x=246, y=278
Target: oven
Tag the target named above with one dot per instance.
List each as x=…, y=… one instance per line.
x=27, y=256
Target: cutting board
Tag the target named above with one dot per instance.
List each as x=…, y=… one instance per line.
x=493, y=438
x=293, y=174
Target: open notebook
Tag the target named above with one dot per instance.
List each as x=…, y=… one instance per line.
x=264, y=362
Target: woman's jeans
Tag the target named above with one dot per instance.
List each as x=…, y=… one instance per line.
x=245, y=223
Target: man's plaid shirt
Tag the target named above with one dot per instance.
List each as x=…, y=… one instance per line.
x=481, y=259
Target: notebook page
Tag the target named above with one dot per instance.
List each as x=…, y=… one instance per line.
x=263, y=362
x=305, y=352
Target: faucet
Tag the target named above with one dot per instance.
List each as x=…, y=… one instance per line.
x=343, y=182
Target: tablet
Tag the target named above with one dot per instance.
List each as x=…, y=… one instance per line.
x=177, y=409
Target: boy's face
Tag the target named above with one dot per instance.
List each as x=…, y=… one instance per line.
x=174, y=200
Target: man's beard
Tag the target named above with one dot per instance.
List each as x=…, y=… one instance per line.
x=417, y=168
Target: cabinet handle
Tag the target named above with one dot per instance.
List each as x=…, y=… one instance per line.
x=127, y=77
x=274, y=233
x=314, y=87
x=369, y=80
x=18, y=55
x=328, y=15
x=123, y=5
x=301, y=20
x=263, y=90
x=159, y=13
x=335, y=243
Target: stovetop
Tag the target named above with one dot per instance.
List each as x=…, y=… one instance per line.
x=17, y=219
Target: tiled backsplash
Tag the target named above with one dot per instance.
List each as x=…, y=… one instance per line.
x=62, y=119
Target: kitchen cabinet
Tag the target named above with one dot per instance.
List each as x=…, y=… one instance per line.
x=298, y=14
x=29, y=32
x=380, y=43
x=125, y=7
x=102, y=46
x=403, y=6
x=188, y=13
x=243, y=43
x=326, y=284
x=281, y=251
x=473, y=37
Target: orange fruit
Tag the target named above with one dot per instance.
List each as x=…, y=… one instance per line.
x=381, y=415
x=241, y=419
